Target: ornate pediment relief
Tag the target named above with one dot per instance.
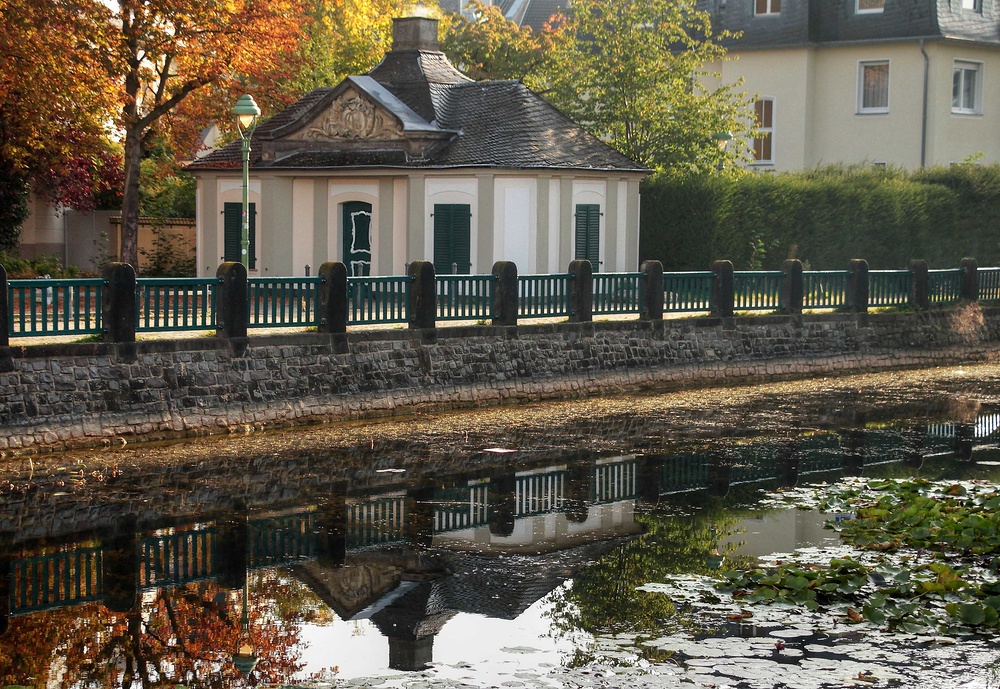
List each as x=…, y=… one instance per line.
x=351, y=117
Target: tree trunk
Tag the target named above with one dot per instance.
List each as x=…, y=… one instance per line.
x=130, y=199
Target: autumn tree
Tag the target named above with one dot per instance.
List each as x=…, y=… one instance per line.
x=635, y=73
x=346, y=37
x=165, y=50
x=55, y=105
x=494, y=47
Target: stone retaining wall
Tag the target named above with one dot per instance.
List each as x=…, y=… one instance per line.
x=88, y=394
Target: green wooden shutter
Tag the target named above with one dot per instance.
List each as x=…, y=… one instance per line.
x=233, y=229
x=452, y=237
x=588, y=233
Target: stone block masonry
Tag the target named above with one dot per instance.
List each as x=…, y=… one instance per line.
x=91, y=394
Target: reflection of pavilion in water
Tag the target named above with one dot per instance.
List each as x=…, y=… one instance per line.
x=415, y=554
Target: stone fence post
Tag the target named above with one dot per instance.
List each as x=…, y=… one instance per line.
x=651, y=291
x=581, y=292
x=791, y=287
x=970, y=279
x=857, y=285
x=505, y=293
x=118, y=302
x=723, y=289
x=333, y=297
x=232, y=300
x=4, y=308
x=920, y=295
x=422, y=295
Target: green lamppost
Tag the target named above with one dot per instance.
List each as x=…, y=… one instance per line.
x=246, y=112
x=722, y=140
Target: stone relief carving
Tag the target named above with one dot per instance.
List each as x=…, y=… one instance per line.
x=353, y=117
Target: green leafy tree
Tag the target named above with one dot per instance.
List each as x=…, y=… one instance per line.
x=636, y=74
x=493, y=47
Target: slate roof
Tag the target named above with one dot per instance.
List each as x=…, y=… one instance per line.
x=825, y=22
x=458, y=122
x=538, y=12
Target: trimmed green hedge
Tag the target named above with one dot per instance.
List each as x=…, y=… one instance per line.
x=823, y=217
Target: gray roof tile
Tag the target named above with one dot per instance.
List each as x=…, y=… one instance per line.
x=500, y=124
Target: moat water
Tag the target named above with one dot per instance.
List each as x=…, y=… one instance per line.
x=504, y=547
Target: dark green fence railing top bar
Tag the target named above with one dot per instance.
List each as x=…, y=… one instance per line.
x=55, y=307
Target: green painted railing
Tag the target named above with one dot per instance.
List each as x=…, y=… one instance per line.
x=174, y=559
x=614, y=480
x=543, y=295
x=464, y=297
x=685, y=472
x=377, y=520
x=462, y=506
x=686, y=292
x=282, y=302
x=166, y=304
x=889, y=287
x=617, y=293
x=944, y=286
x=56, y=580
x=378, y=300
x=283, y=540
x=757, y=290
x=54, y=307
x=825, y=289
x=989, y=284
x=540, y=493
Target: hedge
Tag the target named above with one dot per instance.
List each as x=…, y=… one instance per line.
x=823, y=217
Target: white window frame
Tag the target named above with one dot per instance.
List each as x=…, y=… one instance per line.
x=770, y=10
x=977, y=95
x=972, y=5
x=871, y=10
x=760, y=132
x=873, y=110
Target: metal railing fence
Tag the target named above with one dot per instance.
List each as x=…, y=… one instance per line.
x=377, y=300
x=825, y=289
x=757, y=290
x=168, y=304
x=543, y=295
x=688, y=292
x=616, y=293
x=46, y=306
x=464, y=297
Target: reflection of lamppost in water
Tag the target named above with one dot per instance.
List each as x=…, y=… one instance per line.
x=714, y=559
x=245, y=660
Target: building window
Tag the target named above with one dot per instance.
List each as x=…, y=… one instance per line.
x=972, y=5
x=763, y=151
x=452, y=238
x=767, y=7
x=873, y=87
x=866, y=6
x=588, y=234
x=966, y=87
x=232, y=233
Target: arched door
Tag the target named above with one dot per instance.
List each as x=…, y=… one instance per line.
x=358, y=238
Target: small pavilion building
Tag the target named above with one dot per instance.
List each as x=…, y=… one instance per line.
x=415, y=161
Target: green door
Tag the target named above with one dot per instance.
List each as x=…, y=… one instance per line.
x=232, y=233
x=588, y=233
x=358, y=238
x=452, y=238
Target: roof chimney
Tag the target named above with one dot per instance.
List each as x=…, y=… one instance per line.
x=415, y=33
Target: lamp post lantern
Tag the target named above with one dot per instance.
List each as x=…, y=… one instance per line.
x=247, y=112
x=722, y=140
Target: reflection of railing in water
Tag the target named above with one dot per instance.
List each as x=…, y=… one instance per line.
x=173, y=557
